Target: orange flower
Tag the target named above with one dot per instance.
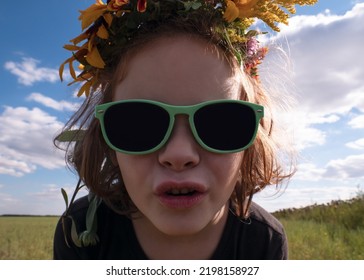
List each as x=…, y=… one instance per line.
x=247, y=8
x=239, y=8
x=231, y=12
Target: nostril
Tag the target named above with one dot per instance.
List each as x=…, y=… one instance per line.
x=167, y=164
x=189, y=164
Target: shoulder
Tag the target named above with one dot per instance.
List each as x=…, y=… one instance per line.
x=261, y=216
x=261, y=236
x=114, y=233
x=79, y=208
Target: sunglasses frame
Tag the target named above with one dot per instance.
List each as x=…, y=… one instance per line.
x=174, y=110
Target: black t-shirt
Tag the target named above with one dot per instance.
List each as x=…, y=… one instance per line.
x=261, y=237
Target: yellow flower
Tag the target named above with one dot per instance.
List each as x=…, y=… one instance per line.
x=269, y=11
x=85, y=88
x=94, y=58
x=92, y=13
x=102, y=32
x=80, y=38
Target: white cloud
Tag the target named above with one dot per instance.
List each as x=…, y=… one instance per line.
x=358, y=144
x=46, y=201
x=53, y=192
x=341, y=169
x=326, y=18
x=26, y=141
x=357, y=122
x=15, y=167
x=328, y=70
x=350, y=167
x=309, y=172
x=298, y=124
x=29, y=73
x=52, y=103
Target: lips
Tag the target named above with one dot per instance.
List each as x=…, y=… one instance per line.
x=180, y=195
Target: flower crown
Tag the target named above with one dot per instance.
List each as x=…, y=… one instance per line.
x=107, y=27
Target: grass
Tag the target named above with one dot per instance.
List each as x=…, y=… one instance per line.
x=309, y=240
x=334, y=231
x=26, y=238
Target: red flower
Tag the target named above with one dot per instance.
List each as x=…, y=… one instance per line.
x=142, y=6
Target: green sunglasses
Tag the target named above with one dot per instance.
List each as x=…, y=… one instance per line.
x=140, y=126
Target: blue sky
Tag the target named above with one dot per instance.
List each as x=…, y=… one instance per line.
x=324, y=44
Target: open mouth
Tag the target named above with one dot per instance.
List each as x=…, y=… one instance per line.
x=181, y=192
x=180, y=195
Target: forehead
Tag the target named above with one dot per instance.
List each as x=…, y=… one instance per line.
x=178, y=70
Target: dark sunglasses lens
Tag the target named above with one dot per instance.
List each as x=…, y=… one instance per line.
x=136, y=126
x=225, y=126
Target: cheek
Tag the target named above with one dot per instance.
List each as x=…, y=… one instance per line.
x=135, y=170
x=128, y=166
x=129, y=172
x=226, y=168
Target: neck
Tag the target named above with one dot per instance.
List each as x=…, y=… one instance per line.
x=201, y=245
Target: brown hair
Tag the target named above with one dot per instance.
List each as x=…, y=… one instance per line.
x=96, y=163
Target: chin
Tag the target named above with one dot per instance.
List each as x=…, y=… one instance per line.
x=181, y=227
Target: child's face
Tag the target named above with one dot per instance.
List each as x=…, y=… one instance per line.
x=182, y=188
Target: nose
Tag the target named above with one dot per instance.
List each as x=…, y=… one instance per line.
x=181, y=152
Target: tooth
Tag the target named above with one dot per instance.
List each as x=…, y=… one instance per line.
x=184, y=191
x=175, y=191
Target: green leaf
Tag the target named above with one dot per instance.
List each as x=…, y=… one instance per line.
x=71, y=135
x=187, y=5
x=196, y=5
x=64, y=231
x=254, y=33
x=74, y=234
x=89, y=236
x=65, y=197
x=91, y=212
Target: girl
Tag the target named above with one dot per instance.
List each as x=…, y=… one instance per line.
x=172, y=140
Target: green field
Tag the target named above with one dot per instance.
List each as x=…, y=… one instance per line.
x=333, y=232
x=26, y=238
